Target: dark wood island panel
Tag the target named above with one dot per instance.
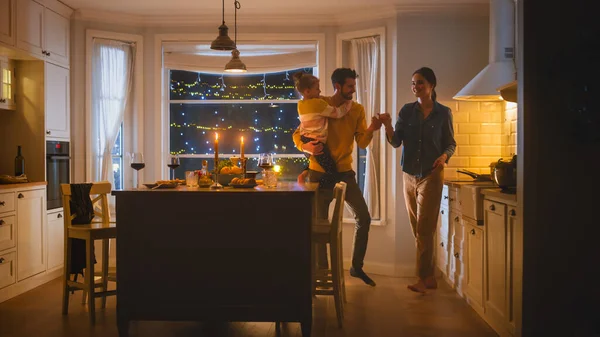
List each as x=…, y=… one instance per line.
x=227, y=255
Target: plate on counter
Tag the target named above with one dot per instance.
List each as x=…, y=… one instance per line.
x=161, y=186
x=243, y=186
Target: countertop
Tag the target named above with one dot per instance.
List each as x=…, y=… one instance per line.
x=281, y=187
x=496, y=193
x=20, y=185
x=461, y=182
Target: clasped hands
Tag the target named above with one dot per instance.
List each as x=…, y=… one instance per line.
x=380, y=119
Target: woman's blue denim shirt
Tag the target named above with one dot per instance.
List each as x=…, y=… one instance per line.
x=424, y=140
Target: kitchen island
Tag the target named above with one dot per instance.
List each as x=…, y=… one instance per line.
x=195, y=254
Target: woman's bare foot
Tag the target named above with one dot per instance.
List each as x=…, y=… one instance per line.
x=431, y=282
x=418, y=287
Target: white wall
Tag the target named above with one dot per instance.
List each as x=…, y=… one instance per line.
x=454, y=45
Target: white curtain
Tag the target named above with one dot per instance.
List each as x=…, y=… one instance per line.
x=365, y=59
x=112, y=73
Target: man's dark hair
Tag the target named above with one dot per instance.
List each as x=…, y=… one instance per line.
x=340, y=75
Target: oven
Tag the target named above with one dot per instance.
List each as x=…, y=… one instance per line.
x=58, y=168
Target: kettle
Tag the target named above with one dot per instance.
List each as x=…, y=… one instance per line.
x=504, y=173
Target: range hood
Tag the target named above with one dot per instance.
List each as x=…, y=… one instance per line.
x=501, y=69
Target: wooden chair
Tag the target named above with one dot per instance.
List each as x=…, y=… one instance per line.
x=101, y=228
x=331, y=281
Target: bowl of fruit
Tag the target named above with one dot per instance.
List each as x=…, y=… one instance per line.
x=228, y=171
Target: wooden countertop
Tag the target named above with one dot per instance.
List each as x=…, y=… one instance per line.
x=22, y=185
x=281, y=187
x=497, y=194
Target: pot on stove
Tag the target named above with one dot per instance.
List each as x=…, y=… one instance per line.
x=504, y=173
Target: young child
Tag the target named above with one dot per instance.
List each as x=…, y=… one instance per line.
x=314, y=113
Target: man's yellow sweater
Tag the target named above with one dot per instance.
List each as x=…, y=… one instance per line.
x=342, y=134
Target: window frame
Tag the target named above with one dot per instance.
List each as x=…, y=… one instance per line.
x=162, y=74
x=341, y=60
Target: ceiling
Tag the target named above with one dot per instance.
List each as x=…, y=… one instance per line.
x=249, y=7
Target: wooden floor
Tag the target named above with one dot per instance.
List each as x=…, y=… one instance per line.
x=389, y=309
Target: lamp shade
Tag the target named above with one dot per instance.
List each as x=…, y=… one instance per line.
x=235, y=65
x=223, y=41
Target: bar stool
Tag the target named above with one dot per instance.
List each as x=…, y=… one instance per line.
x=101, y=229
x=331, y=281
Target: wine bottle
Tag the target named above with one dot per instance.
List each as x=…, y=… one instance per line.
x=19, y=163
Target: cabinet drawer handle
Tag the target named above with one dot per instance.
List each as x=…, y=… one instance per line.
x=456, y=219
x=20, y=196
x=512, y=212
x=48, y=132
x=472, y=232
x=492, y=208
x=456, y=255
x=59, y=215
x=1, y=260
x=442, y=211
x=442, y=244
x=2, y=203
x=446, y=197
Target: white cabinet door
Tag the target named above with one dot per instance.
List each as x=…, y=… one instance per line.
x=31, y=216
x=57, y=102
x=515, y=271
x=56, y=239
x=495, y=288
x=7, y=22
x=30, y=25
x=7, y=85
x=474, y=269
x=56, y=37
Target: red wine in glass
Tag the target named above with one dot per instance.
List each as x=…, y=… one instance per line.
x=137, y=166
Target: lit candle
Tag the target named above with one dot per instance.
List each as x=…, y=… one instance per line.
x=242, y=148
x=216, y=151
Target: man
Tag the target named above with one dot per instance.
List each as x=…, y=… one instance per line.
x=342, y=134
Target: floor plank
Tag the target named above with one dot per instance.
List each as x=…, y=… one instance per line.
x=388, y=309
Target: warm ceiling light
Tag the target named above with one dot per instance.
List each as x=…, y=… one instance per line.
x=223, y=42
x=235, y=65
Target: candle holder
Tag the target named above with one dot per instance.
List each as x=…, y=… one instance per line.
x=216, y=185
x=243, y=162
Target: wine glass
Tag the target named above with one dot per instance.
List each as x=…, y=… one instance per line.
x=173, y=164
x=137, y=163
x=265, y=161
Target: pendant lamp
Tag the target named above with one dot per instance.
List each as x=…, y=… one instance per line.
x=235, y=65
x=223, y=42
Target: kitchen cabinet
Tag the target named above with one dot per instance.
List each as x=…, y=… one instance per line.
x=7, y=232
x=7, y=85
x=514, y=268
x=7, y=22
x=7, y=269
x=442, y=242
x=31, y=218
x=29, y=245
x=474, y=253
x=57, y=104
x=495, y=300
x=56, y=239
x=43, y=32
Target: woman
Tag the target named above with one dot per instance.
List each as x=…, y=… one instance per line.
x=424, y=128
